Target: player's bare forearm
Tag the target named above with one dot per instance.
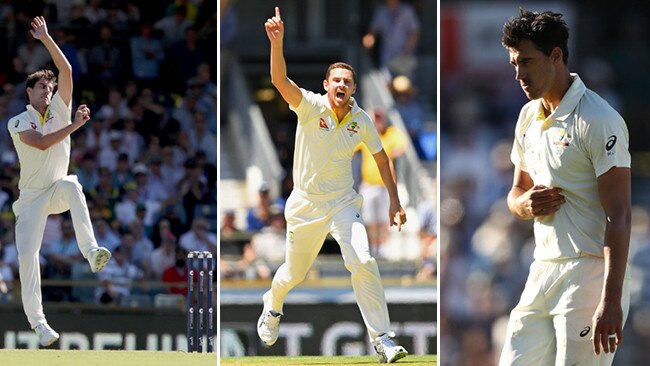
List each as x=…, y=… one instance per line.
x=614, y=190
x=64, y=79
x=290, y=92
x=43, y=142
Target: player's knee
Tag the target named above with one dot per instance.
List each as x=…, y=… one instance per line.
x=70, y=187
x=361, y=265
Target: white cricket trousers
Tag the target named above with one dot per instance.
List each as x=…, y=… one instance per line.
x=31, y=210
x=309, y=220
x=552, y=324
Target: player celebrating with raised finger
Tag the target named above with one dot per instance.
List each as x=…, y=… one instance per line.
x=41, y=136
x=323, y=201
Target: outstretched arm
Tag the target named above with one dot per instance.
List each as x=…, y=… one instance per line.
x=387, y=172
x=287, y=88
x=64, y=80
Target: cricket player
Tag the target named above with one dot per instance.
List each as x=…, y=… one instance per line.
x=572, y=177
x=41, y=136
x=329, y=127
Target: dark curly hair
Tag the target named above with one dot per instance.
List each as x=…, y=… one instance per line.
x=546, y=30
x=33, y=78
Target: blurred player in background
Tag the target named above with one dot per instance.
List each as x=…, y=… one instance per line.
x=572, y=177
x=376, y=200
x=41, y=136
x=322, y=201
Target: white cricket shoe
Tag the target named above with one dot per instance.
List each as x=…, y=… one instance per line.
x=46, y=335
x=268, y=326
x=98, y=258
x=387, y=350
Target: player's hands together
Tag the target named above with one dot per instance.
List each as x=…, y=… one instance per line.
x=397, y=216
x=82, y=115
x=275, y=27
x=540, y=201
x=39, y=28
x=607, y=320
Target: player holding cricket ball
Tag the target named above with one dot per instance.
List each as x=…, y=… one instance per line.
x=41, y=136
x=329, y=127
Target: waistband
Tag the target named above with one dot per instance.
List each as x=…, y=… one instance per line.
x=322, y=197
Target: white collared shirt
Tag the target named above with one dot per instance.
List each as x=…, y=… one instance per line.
x=581, y=140
x=324, y=148
x=40, y=169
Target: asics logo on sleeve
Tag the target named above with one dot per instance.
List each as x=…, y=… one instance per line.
x=585, y=331
x=611, y=141
x=17, y=123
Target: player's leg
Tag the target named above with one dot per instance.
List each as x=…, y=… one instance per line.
x=67, y=194
x=30, y=225
x=348, y=230
x=305, y=235
x=530, y=337
x=574, y=312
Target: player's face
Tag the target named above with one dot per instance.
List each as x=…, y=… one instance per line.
x=339, y=86
x=533, y=69
x=41, y=93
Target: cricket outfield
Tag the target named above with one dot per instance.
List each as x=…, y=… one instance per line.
x=24, y=357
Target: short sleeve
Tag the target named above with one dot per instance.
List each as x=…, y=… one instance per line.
x=607, y=144
x=19, y=124
x=311, y=103
x=370, y=136
x=61, y=110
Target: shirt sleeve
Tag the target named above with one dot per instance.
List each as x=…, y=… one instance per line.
x=19, y=124
x=309, y=104
x=370, y=136
x=607, y=144
x=61, y=111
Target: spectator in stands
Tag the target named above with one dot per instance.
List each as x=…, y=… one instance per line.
x=199, y=238
x=105, y=187
x=94, y=11
x=193, y=188
x=132, y=142
x=33, y=55
x=106, y=235
x=136, y=254
x=270, y=242
x=116, y=278
x=375, y=196
x=191, y=9
x=115, y=108
x=64, y=39
x=208, y=170
x=229, y=228
x=170, y=169
x=185, y=57
x=399, y=29
x=125, y=209
x=177, y=273
x=61, y=255
x=105, y=63
x=173, y=26
x=258, y=216
x=202, y=139
x=122, y=173
x=108, y=154
x=428, y=237
x=409, y=109
x=88, y=174
x=147, y=53
x=164, y=256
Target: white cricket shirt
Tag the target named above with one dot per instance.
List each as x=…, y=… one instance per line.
x=324, y=147
x=582, y=139
x=40, y=169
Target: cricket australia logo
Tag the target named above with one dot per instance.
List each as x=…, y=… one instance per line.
x=353, y=128
x=564, y=138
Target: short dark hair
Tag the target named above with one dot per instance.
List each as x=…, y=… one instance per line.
x=546, y=30
x=341, y=65
x=33, y=78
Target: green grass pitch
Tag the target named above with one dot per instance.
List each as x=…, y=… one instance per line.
x=47, y=357
x=428, y=360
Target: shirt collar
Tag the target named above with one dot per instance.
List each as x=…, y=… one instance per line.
x=570, y=99
x=354, y=110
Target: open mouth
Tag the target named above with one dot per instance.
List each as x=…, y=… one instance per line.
x=340, y=95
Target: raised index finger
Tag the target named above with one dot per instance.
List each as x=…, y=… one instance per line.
x=277, y=12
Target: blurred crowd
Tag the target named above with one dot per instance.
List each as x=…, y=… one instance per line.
x=256, y=239
x=147, y=157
